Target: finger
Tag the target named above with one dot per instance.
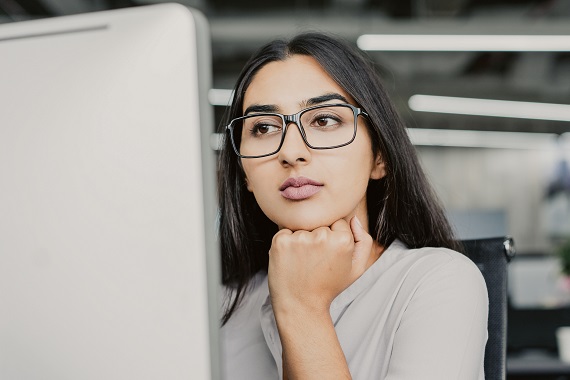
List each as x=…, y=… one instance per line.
x=340, y=225
x=280, y=235
x=278, y=238
x=283, y=231
x=362, y=247
x=358, y=230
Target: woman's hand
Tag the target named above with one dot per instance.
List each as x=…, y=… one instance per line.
x=308, y=269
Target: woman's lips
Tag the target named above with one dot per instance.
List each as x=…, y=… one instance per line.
x=301, y=192
x=299, y=188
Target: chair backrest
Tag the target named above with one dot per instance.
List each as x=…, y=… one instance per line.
x=491, y=256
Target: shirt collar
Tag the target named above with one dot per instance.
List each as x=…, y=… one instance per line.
x=338, y=306
x=365, y=281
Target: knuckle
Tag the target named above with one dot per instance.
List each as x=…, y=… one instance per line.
x=280, y=239
x=301, y=236
x=321, y=235
x=345, y=240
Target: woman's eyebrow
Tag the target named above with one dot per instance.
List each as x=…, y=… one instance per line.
x=260, y=108
x=325, y=98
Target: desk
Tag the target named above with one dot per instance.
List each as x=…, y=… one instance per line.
x=536, y=365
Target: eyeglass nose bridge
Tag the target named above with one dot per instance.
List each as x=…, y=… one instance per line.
x=293, y=119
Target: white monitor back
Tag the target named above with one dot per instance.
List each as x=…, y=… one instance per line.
x=108, y=264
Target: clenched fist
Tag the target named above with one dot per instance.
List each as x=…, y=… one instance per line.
x=308, y=269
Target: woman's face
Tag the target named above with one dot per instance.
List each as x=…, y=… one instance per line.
x=338, y=177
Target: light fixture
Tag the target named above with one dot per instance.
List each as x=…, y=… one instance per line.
x=482, y=139
x=466, y=42
x=489, y=107
x=220, y=97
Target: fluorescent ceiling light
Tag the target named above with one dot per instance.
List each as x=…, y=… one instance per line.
x=219, y=97
x=467, y=42
x=489, y=107
x=482, y=139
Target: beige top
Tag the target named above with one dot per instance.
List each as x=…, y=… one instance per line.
x=414, y=314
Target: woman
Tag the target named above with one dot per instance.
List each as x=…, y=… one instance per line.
x=326, y=224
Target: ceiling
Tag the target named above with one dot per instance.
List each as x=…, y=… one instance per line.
x=240, y=27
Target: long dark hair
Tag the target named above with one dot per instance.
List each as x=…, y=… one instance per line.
x=401, y=205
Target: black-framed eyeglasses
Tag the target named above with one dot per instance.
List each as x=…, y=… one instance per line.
x=325, y=126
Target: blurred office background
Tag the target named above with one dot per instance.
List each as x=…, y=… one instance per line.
x=489, y=113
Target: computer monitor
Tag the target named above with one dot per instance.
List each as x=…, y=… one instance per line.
x=108, y=260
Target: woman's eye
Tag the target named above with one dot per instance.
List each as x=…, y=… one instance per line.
x=263, y=129
x=325, y=121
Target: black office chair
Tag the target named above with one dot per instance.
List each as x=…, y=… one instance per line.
x=491, y=256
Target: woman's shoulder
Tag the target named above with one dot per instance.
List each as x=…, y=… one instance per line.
x=429, y=256
x=438, y=313
x=437, y=264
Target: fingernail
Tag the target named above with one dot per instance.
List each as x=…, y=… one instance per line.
x=358, y=221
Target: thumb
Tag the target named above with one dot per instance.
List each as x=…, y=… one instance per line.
x=362, y=246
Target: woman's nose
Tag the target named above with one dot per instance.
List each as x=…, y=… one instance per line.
x=294, y=150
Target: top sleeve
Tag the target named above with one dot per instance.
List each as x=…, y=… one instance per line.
x=443, y=330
